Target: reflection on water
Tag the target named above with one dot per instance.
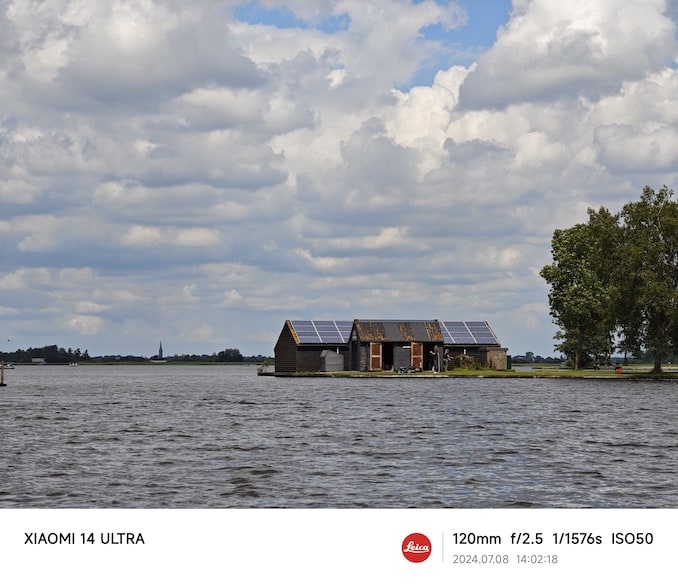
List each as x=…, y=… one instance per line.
x=214, y=436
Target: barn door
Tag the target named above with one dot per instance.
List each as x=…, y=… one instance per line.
x=418, y=355
x=375, y=356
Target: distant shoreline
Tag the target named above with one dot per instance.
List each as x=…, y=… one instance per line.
x=148, y=362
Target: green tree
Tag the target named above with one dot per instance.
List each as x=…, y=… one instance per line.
x=648, y=280
x=230, y=356
x=581, y=279
x=618, y=274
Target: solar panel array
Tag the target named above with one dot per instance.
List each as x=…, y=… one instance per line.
x=339, y=331
x=468, y=333
x=322, y=331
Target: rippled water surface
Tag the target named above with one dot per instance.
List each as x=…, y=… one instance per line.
x=214, y=436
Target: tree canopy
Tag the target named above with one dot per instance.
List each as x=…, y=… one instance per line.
x=614, y=281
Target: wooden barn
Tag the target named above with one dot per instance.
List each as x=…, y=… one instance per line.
x=385, y=345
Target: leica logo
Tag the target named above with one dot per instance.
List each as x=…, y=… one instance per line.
x=416, y=547
x=412, y=546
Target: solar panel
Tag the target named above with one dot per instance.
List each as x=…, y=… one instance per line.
x=322, y=331
x=468, y=333
x=482, y=333
x=305, y=330
x=457, y=333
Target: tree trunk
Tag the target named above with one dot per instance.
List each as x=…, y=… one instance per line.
x=579, y=351
x=657, y=363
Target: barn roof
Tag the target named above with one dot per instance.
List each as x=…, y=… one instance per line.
x=314, y=332
x=398, y=330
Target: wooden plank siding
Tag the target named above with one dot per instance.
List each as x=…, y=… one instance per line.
x=286, y=350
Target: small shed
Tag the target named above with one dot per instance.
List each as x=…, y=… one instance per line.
x=474, y=339
x=331, y=361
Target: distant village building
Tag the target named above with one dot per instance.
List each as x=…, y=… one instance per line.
x=385, y=345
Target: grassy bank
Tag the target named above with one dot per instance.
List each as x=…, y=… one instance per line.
x=637, y=372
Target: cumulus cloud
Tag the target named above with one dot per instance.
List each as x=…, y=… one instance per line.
x=152, y=236
x=86, y=325
x=122, y=54
x=25, y=278
x=551, y=49
x=623, y=148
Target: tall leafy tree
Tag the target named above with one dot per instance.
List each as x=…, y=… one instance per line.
x=581, y=293
x=648, y=280
x=618, y=274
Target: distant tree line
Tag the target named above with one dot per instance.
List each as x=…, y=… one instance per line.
x=50, y=354
x=530, y=357
x=57, y=355
x=614, y=282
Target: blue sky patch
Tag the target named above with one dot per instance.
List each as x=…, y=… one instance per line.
x=462, y=45
x=282, y=18
x=484, y=18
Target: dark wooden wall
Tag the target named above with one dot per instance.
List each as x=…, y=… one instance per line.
x=286, y=352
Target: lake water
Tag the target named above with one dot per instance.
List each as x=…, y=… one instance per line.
x=220, y=437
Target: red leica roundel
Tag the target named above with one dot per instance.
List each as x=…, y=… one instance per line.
x=416, y=548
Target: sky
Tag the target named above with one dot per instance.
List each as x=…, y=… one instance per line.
x=198, y=172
